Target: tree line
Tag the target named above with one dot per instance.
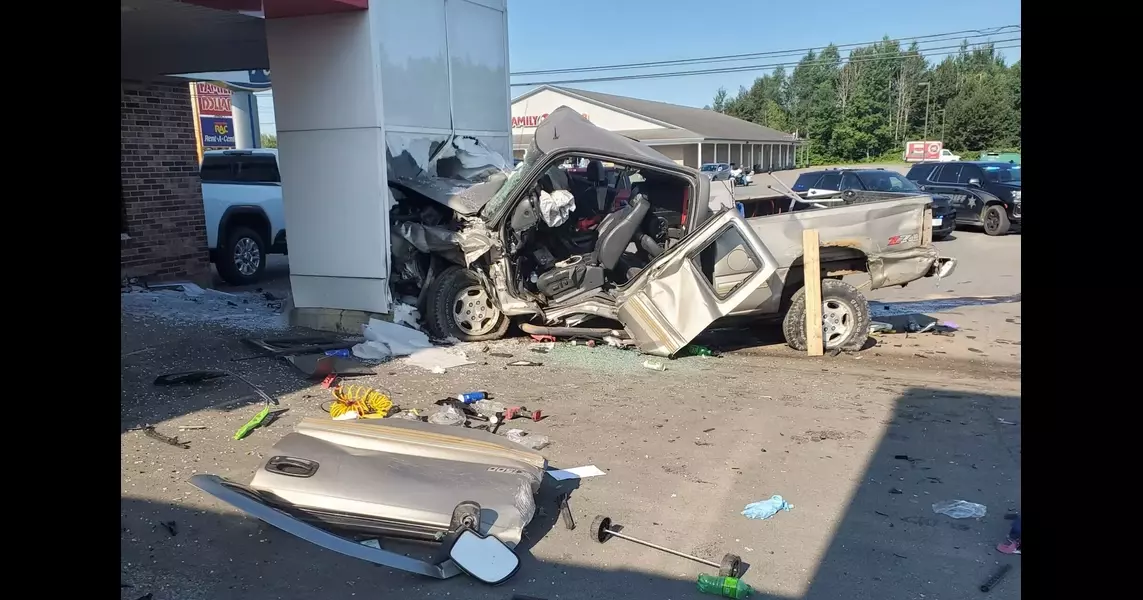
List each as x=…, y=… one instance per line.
x=866, y=107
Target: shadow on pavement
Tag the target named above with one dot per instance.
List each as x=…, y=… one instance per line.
x=889, y=544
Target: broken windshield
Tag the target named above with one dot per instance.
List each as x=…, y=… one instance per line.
x=532, y=158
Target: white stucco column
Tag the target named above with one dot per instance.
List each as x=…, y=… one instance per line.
x=331, y=152
x=350, y=85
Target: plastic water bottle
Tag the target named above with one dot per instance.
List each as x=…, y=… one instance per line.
x=727, y=587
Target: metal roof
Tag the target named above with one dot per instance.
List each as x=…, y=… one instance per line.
x=694, y=123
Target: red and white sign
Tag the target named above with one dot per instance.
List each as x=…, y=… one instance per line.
x=921, y=151
x=213, y=100
x=534, y=120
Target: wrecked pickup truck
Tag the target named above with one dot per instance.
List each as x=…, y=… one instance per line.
x=563, y=251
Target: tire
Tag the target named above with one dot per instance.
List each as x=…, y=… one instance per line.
x=995, y=220
x=242, y=246
x=839, y=299
x=459, y=291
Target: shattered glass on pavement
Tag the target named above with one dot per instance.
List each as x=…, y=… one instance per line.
x=189, y=304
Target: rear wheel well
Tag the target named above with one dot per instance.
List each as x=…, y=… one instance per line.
x=835, y=263
x=254, y=220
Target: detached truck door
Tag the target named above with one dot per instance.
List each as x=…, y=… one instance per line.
x=677, y=295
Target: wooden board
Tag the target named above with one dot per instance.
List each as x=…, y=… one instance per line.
x=811, y=266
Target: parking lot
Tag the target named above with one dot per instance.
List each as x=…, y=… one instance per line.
x=861, y=444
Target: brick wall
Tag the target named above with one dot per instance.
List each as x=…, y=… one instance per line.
x=161, y=192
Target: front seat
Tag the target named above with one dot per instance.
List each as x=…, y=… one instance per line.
x=586, y=272
x=599, y=193
x=617, y=230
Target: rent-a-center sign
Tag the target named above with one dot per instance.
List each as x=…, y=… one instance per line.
x=534, y=120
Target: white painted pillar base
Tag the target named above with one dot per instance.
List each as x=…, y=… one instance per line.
x=331, y=144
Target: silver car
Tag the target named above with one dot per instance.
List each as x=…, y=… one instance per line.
x=716, y=171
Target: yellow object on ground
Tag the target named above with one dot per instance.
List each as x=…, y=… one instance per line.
x=367, y=402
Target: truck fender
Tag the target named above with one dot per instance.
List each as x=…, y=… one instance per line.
x=245, y=210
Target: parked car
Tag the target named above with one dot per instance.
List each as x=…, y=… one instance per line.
x=948, y=156
x=716, y=171
x=818, y=184
x=984, y=194
x=507, y=246
x=242, y=201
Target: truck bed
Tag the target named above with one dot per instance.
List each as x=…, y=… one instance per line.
x=892, y=236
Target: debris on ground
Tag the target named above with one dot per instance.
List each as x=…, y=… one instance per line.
x=576, y=473
x=1004, y=421
x=149, y=431
x=384, y=340
x=520, y=411
x=543, y=338
x=654, y=365
x=320, y=366
x=764, y=509
x=727, y=587
x=438, y=360
x=996, y=578
x=252, y=424
x=470, y=397
x=535, y=442
x=895, y=491
x=960, y=509
x=360, y=402
x=186, y=304
x=448, y=415
x=880, y=327
x=696, y=350
x=170, y=526
x=543, y=348
x=191, y=427
x=188, y=377
x=524, y=363
x=406, y=314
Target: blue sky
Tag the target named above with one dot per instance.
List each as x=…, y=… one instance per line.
x=554, y=34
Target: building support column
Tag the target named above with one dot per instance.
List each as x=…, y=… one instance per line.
x=331, y=138
x=244, y=109
x=698, y=146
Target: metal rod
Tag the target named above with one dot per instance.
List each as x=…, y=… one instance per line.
x=662, y=549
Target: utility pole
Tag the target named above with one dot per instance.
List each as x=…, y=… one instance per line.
x=928, y=94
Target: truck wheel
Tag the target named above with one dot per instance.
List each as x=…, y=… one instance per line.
x=845, y=318
x=995, y=220
x=458, y=306
x=241, y=258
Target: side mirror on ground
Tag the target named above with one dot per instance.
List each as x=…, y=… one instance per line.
x=484, y=557
x=974, y=182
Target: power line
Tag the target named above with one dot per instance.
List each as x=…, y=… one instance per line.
x=773, y=53
x=760, y=67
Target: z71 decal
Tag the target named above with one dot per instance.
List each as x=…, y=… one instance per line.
x=904, y=239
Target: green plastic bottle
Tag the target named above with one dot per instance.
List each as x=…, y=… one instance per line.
x=727, y=587
x=696, y=350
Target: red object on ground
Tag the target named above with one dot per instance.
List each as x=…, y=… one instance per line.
x=1009, y=547
x=328, y=381
x=543, y=338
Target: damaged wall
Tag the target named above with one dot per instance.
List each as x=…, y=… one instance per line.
x=163, y=230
